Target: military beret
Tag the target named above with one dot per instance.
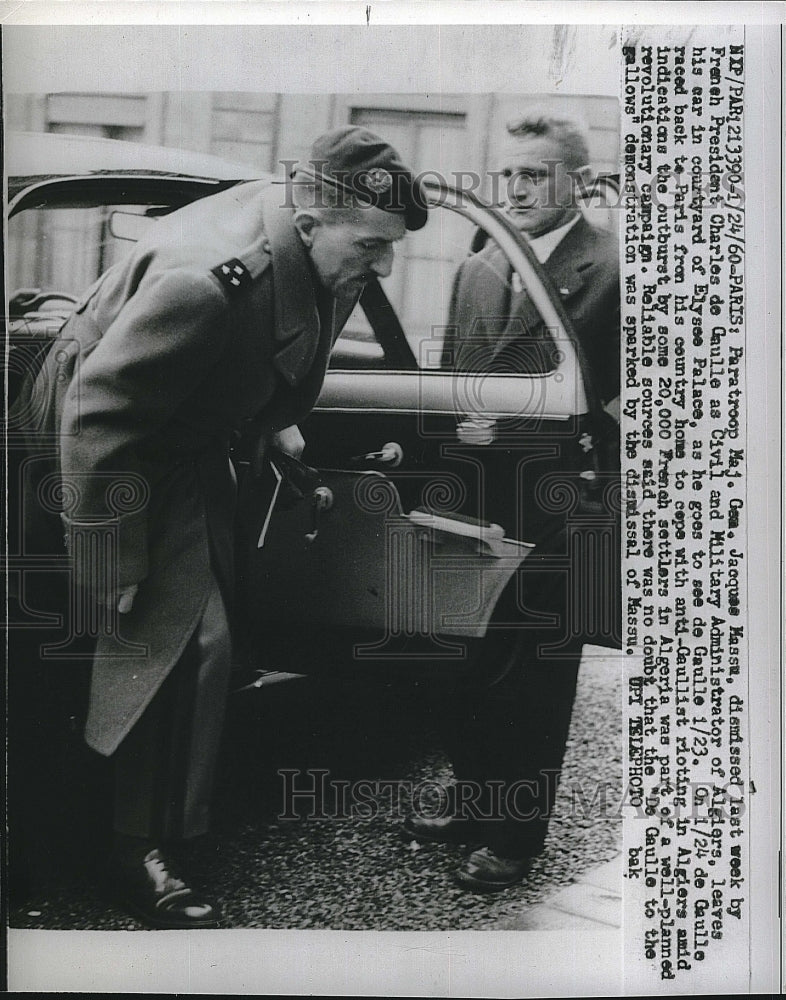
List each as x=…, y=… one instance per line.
x=358, y=163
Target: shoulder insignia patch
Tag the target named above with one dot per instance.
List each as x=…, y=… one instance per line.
x=233, y=274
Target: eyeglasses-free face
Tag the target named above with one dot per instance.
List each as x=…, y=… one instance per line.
x=538, y=189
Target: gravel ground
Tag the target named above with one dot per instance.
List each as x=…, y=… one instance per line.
x=353, y=874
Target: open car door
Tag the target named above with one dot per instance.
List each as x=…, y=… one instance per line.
x=435, y=484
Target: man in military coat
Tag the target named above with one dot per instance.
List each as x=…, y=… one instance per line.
x=226, y=315
x=507, y=738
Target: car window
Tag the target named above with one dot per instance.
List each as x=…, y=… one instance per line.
x=421, y=290
x=65, y=249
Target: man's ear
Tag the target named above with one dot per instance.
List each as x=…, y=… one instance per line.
x=305, y=223
x=582, y=180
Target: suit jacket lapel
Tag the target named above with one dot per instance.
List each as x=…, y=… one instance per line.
x=567, y=266
x=524, y=330
x=524, y=315
x=566, y=270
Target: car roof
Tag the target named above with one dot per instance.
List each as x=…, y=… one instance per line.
x=38, y=155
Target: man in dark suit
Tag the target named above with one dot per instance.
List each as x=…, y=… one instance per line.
x=225, y=317
x=494, y=325
x=507, y=737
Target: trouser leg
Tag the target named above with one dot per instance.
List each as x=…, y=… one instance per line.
x=164, y=769
x=530, y=721
x=507, y=739
x=507, y=744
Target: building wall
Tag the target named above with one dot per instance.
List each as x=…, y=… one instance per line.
x=447, y=132
x=442, y=132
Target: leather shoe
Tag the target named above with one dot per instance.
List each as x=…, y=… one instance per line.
x=146, y=886
x=439, y=830
x=485, y=871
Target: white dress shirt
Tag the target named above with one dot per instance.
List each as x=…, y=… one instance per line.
x=544, y=245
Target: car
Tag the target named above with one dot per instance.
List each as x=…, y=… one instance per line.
x=432, y=485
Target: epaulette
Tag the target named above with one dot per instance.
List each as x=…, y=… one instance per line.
x=233, y=275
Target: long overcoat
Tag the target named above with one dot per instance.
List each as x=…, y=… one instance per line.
x=214, y=321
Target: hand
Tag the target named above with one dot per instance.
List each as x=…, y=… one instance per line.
x=476, y=430
x=289, y=440
x=123, y=600
x=613, y=408
x=126, y=599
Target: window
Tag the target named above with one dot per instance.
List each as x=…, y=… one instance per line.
x=66, y=249
x=111, y=116
x=419, y=290
x=419, y=287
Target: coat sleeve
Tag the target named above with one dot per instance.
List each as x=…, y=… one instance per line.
x=160, y=347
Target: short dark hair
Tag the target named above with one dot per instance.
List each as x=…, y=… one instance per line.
x=568, y=132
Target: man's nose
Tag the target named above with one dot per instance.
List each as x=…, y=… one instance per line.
x=383, y=264
x=524, y=190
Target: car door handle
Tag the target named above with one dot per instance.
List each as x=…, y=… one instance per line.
x=391, y=455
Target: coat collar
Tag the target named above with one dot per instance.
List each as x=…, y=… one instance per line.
x=297, y=317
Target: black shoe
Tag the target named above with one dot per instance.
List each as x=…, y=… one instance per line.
x=485, y=871
x=440, y=830
x=147, y=887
